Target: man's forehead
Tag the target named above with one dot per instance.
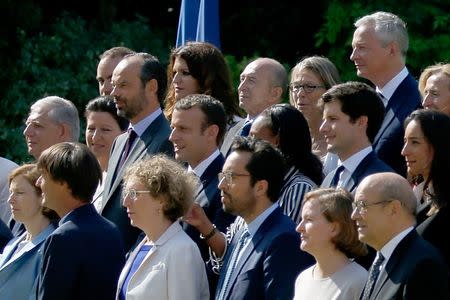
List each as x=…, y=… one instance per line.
x=39, y=113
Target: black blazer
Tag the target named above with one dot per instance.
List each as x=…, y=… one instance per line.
x=82, y=258
x=155, y=139
x=388, y=143
x=414, y=271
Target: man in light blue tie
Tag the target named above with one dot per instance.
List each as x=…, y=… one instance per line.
x=262, y=84
x=263, y=258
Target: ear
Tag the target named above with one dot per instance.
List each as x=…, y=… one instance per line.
x=335, y=228
x=212, y=131
x=362, y=121
x=261, y=187
x=393, y=48
x=65, y=133
x=151, y=87
x=275, y=94
x=395, y=207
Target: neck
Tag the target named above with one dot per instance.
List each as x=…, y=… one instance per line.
x=209, y=150
x=257, y=210
x=36, y=225
x=103, y=162
x=329, y=263
x=154, y=232
x=382, y=79
x=354, y=149
x=74, y=204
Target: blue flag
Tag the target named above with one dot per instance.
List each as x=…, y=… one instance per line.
x=199, y=21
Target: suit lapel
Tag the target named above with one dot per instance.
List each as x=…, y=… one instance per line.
x=113, y=163
x=388, y=118
x=356, y=176
x=208, y=179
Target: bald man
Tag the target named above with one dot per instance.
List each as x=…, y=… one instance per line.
x=406, y=266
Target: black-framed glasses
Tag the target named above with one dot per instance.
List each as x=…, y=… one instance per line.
x=228, y=177
x=307, y=87
x=362, y=206
x=132, y=193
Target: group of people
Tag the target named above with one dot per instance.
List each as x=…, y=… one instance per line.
x=340, y=194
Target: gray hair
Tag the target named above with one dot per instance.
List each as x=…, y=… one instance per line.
x=388, y=27
x=61, y=111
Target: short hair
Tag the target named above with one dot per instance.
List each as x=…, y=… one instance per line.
x=151, y=68
x=320, y=66
x=61, y=111
x=283, y=120
x=106, y=104
x=31, y=174
x=435, y=127
x=266, y=163
x=336, y=206
x=278, y=76
x=388, y=27
x=358, y=99
x=75, y=165
x=212, y=109
x=439, y=68
x=116, y=52
x=207, y=65
x=166, y=180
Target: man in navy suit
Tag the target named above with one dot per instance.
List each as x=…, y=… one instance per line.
x=380, y=44
x=83, y=257
x=352, y=115
x=407, y=266
x=263, y=258
x=198, y=126
x=139, y=85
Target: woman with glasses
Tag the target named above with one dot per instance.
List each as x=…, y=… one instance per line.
x=21, y=258
x=426, y=150
x=329, y=234
x=167, y=264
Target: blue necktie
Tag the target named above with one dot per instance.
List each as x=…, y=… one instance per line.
x=232, y=264
x=245, y=130
x=336, y=176
x=373, y=275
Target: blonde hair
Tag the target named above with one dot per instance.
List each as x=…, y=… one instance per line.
x=430, y=71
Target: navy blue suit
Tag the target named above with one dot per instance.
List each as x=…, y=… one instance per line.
x=82, y=258
x=5, y=235
x=155, y=139
x=415, y=270
x=371, y=164
x=388, y=143
x=270, y=263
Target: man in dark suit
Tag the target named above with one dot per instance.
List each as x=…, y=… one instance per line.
x=407, y=266
x=352, y=115
x=263, y=258
x=83, y=257
x=139, y=84
x=262, y=84
x=380, y=44
x=198, y=126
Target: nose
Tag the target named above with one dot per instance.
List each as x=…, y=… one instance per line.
x=405, y=149
x=173, y=135
x=10, y=198
x=427, y=101
x=353, y=55
x=27, y=131
x=222, y=185
x=355, y=213
x=95, y=135
x=39, y=182
x=324, y=127
x=106, y=88
x=176, y=78
x=300, y=227
x=114, y=91
x=126, y=200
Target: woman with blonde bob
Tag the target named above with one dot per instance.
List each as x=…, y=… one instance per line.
x=329, y=234
x=167, y=264
x=434, y=85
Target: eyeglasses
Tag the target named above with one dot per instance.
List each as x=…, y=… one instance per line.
x=362, y=206
x=132, y=193
x=228, y=177
x=308, y=88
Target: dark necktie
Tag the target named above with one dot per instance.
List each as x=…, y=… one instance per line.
x=373, y=275
x=246, y=128
x=126, y=151
x=336, y=176
x=232, y=264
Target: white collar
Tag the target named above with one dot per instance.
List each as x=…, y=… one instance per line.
x=353, y=161
x=201, y=167
x=389, y=88
x=390, y=246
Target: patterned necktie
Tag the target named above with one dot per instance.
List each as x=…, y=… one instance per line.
x=245, y=130
x=232, y=264
x=373, y=275
x=337, y=175
x=126, y=151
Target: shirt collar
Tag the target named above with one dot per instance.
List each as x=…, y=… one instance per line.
x=201, y=167
x=143, y=124
x=256, y=223
x=390, y=246
x=353, y=161
x=389, y=88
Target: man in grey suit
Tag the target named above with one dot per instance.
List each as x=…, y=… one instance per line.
x=262, y=84
x=139, y=85
x=352, y=116
x=407, y=266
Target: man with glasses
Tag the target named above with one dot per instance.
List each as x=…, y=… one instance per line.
x=352, y=115
x=262, y=84
x=263, y=257
x=406, y=266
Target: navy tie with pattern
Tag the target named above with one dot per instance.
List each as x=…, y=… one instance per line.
x=373, y=275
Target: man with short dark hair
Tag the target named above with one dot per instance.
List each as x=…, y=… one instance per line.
x=83, y=257
x=352, y=116
x=139, y=85
x=263, y=258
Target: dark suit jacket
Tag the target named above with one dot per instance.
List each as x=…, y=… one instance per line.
x=154, y=140
x=5, y=235
x=388, y=142
x=414, y=271
x=371, y=164
x=270, y=264
x=82, y=259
